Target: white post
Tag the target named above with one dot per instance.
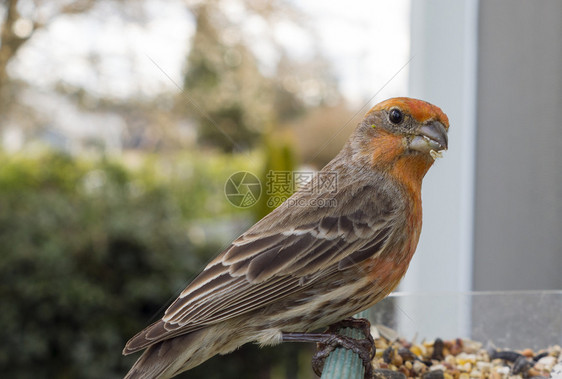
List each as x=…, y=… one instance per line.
x=443, y=71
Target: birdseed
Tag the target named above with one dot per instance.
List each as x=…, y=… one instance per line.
x=461, y=359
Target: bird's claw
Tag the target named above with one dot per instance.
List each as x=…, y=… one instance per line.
x=361, y=324
x=364, y=348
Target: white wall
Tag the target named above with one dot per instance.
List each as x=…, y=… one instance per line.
x=443, y=72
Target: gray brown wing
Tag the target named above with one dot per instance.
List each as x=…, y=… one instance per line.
x=262, y=268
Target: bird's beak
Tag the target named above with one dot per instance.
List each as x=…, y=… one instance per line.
x=432, y=136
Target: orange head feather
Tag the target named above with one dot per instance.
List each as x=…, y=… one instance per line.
x=420, y=110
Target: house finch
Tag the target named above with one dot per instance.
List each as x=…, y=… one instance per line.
x=322, y=256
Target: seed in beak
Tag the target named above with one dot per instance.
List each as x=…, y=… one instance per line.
x=435, y=154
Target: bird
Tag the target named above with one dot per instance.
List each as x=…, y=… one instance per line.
x=325, y=254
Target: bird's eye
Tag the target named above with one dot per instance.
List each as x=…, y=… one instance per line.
x=396, y=116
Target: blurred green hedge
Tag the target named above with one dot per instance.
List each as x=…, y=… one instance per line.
x=91, y=250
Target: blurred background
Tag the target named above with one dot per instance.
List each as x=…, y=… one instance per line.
x=122, y=120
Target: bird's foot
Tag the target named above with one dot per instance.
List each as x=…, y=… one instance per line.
x=328, y=341
x=363, y=348
x=361, y=324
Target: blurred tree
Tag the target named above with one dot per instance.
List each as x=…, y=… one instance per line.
x=20, y=21
x=277, y=176
x=303, y=85
x=232, y=96
x=89, y=253
x=323, y=131
x=18, y=27
x=288, y=105
x=231, y=99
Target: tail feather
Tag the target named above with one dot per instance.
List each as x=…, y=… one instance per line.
x=168, y=358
